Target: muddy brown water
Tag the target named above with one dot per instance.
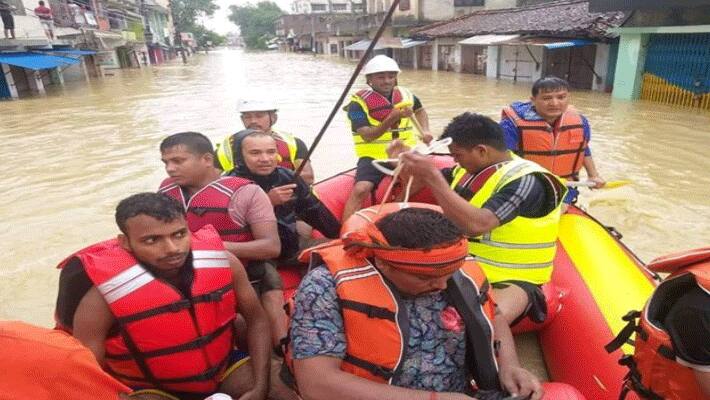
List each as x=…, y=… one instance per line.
x=68, y=158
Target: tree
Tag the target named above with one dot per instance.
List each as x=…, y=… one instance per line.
x=204, y=36
x=186, y=12
x=256, y=22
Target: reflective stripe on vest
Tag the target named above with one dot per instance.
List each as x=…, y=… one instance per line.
x=166, y=340
x=369, y=304
x=377, y=148
x=559, y=149
x=524, y=248
x=210, y=205
x=655, y=371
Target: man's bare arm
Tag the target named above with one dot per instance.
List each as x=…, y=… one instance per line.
x=266, y=244
x=258, y=332
x=92, y=322
x=320, y=378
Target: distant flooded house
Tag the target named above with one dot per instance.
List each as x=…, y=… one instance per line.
x=561, y=38
x=664, y=51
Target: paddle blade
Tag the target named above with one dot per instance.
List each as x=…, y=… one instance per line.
x=615, y=184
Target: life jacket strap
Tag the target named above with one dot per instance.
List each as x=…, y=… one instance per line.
x=159, y=382
x=200, y=211
x=624, y=336
x=368, y=309
x=200, y=342
x=239, y=231
x=372, y=368
x=176, y=306
x=633, y=381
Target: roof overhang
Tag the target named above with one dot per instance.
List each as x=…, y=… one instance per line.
x=385, y=43
x=488, y=40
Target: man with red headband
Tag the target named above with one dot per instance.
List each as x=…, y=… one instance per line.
x=396, y=310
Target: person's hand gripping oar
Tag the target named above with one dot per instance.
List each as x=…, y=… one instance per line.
x=420, y=132
x=421, y=148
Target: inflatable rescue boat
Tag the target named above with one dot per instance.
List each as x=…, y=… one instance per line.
x=596, y=281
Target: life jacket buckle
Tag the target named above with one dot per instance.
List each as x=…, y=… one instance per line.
x=631, y=315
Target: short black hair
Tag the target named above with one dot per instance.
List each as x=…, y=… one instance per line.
x=549, y=84
x=156, y=205
x=418, y=228
x=41, y=3
x=195, y=142
x=471, y=129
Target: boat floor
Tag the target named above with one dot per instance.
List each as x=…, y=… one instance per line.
x=530, y=354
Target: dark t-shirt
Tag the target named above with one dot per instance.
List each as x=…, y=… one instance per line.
x=688, y=324
x=528, y=196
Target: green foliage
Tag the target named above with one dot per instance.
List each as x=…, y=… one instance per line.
x=186, y=12
x=256, y=22
x=204, y=35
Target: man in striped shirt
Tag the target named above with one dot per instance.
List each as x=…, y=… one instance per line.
x=509, y=208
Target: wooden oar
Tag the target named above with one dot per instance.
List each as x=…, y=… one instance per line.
x=591, y=184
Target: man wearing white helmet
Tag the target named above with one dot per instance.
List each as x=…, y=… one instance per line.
x=377, y=116
x=260, y=114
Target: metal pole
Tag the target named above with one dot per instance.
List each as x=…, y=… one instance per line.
x=347, y=88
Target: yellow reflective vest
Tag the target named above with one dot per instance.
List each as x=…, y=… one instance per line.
x=369, y=100
x=524, y=248
x=286, y=156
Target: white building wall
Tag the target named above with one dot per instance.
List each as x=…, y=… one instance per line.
x=601, y=66
x=437, y=10
x=517, y=57
x=496, y=4
x=492, y=61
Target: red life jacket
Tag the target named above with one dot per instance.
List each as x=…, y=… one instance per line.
x=655, y=372
x=209, y=206
x=379, y=106
x=369, y=304
x=166, y=341
x=285, y=155
x=559, y=149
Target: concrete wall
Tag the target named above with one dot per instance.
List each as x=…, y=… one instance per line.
x=437, y=10
x=601, y=67
x=527, y=70
x=629, y=65
x=492, y=61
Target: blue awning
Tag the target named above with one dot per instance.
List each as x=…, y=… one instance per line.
x=74, y=52
x=568, y=43
x=36, y=61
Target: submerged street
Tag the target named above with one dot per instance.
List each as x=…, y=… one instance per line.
x=71, y=156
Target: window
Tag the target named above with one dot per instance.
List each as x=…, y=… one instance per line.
x=318, y=7
x=468, y=3
x=340, y=7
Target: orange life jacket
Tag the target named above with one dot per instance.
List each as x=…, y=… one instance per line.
x=559, y=149
x=46, y=364
x=369, y=304
x=655, y=372
x=379, y=106
x=210, y=206
x=167, y=341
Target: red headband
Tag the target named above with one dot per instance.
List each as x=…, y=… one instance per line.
x=438, y=261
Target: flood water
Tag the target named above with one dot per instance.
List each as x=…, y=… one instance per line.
x=68, y=158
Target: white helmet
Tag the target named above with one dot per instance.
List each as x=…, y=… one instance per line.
x=249, y=105
x=380, y=63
